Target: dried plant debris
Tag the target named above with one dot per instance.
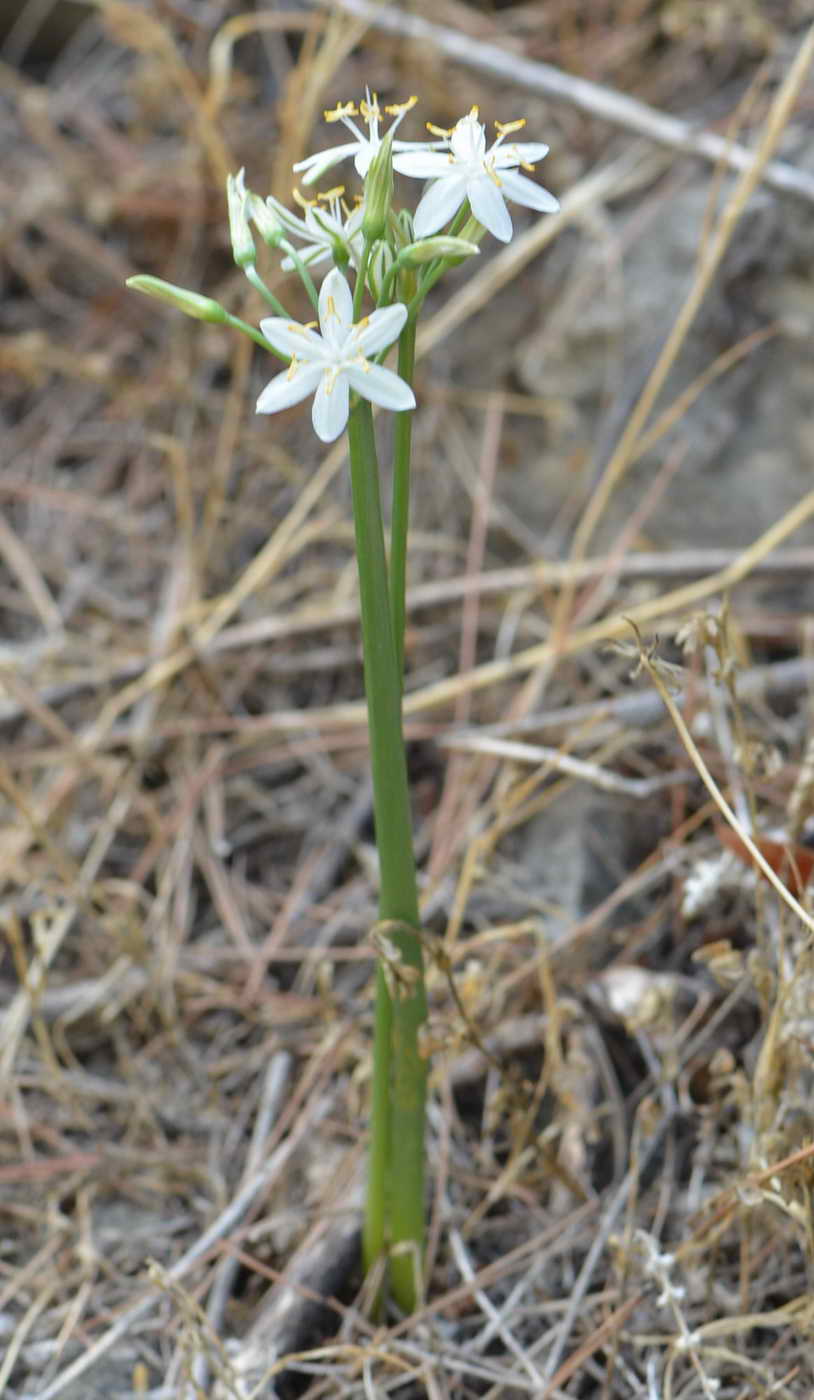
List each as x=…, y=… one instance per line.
x=621, y=1130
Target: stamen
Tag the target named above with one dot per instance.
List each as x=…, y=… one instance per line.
x=396, y=109
x=311, y=325
x=335, y=193
x=330, y=309
x=294, y=366
x=446, y=132
x=370, y=110
x=341, y=110
x=474, y=113
x=302, y=201
x=492, y=173
x=504, y=128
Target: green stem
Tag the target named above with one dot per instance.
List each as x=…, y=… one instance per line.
x=400, y=516
x=302, y=272
x=257, y=282
x=395, y=1205
x=255, y=335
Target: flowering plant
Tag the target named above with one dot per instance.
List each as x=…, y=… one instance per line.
x=383, y=263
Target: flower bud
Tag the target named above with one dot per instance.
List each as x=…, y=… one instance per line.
x=381, y=260
x=191, y=303
x=265, y=221
x=237, y=197
x=442, y=246
x=378, y=191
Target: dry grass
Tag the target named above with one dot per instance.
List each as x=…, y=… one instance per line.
x=620, y=1126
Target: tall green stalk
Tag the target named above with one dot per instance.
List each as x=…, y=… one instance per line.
x=400, y=515
x=395, y=1200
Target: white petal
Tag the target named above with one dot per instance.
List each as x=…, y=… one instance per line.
x=382, y=327
x=439, y=204
x=330, y=412
x=424, y=165
x=468, y=140
x=364, y=157
x=312, y=257
x=286, y=389
x=335, y=308
x=316, y=165
x=381, y=386
x=488, y=206
x=291, y=338
x=524, y=191
x=519, y=153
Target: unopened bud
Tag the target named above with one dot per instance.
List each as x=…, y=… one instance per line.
x=191, y=303
x=381, y=260
x=265, y=221
x=378, y=191
x=444, y=246
x=237, y=197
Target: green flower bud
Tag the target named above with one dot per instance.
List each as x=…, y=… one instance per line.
x=381, y=260
x=265, y=220
x=237, y=197
x=379, y=191
x=191, y=303
x=442, y=246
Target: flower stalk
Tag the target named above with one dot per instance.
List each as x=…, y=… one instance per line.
x=396, y=258
x=395, y=1198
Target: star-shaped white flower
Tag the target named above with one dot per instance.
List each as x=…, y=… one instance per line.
x=330, y=363
x=327, y=227
x=364, y=146
x=486, y=178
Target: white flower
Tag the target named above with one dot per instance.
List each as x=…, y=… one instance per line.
x=328, y=226
x=364, y=146
x=486, y=178
x=333, y=362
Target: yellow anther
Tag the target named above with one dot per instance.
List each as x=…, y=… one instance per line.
x=474, y=113
x=527, y=165
x=371, y=111
x=395, y=109
x=446, y=132
x=504, y=128
x=302, y=201
x=492, y=173
x=330, y=309
x=342, y=109
x=293, y=367
x=311, y=326
x=329, y=195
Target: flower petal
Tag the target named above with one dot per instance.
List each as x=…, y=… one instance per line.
x=317, y=164
x=439, y=204
x=335, y=308
x=468, y=140
x=424, y=165
x=286, y=389
x=379, y=329
x=290, y=338
x=381, y=386
x=312, y=257
x=519, y=153
x=524, y=191
x=488, y=206
x=330, y=412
